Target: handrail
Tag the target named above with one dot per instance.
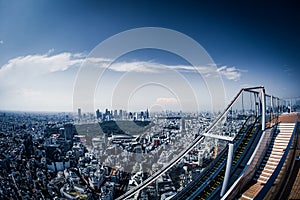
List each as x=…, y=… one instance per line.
x=179, y=157
x=211, y=164
x=188, y=148
x=207, y=182
x=163, y=170
x=273, y=177
x=230, y=105
x=251, y=166
x=250, y=89
x=224, y=112
x=290, y=168
x=254, y=127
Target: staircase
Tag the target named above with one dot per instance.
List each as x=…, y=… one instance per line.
x=271, y=159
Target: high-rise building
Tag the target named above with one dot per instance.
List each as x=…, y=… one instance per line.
x=107, y=112
x=115, y=113
x=183, y=127
x=147, y=114
x=142, y=115
x=98, y=114
x=79, y=113
x=121, y=113
x=69, y=130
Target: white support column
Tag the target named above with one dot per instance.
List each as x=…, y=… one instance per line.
x=271, y=111
x=272, y=103
x=263, y=109
x=277, y=106
x=228, y=168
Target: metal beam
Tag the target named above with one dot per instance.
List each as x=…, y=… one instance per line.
x=263, y=109
x=221, y=137
x=228, y=169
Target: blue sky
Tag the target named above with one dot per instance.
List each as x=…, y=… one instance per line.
x=43, y=44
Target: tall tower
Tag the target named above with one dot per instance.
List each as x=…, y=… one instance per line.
x=98, y=114
x=121, y=113
x=79, y=113
x=115, y=113
x=183, y=128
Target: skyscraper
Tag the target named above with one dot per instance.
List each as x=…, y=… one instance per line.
x=98, y=114
x=147, y=114
x=79, y=113
x=115, y=113
x=69, y=130
x=121, y=113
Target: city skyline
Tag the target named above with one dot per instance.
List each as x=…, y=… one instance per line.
x=43, y=45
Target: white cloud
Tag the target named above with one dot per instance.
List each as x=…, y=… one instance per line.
x=35, y=82
x=231, y=73
x=164, y=100
x=40, y=64
x=138, y=66
x=48, y=79
x=152, y=67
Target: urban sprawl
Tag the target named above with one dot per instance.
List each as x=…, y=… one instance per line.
x=101, y=155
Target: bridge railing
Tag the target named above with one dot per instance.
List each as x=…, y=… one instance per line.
x=248, y=102
x=291, y=104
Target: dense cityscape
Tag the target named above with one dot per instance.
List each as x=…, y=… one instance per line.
x=98, y=156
